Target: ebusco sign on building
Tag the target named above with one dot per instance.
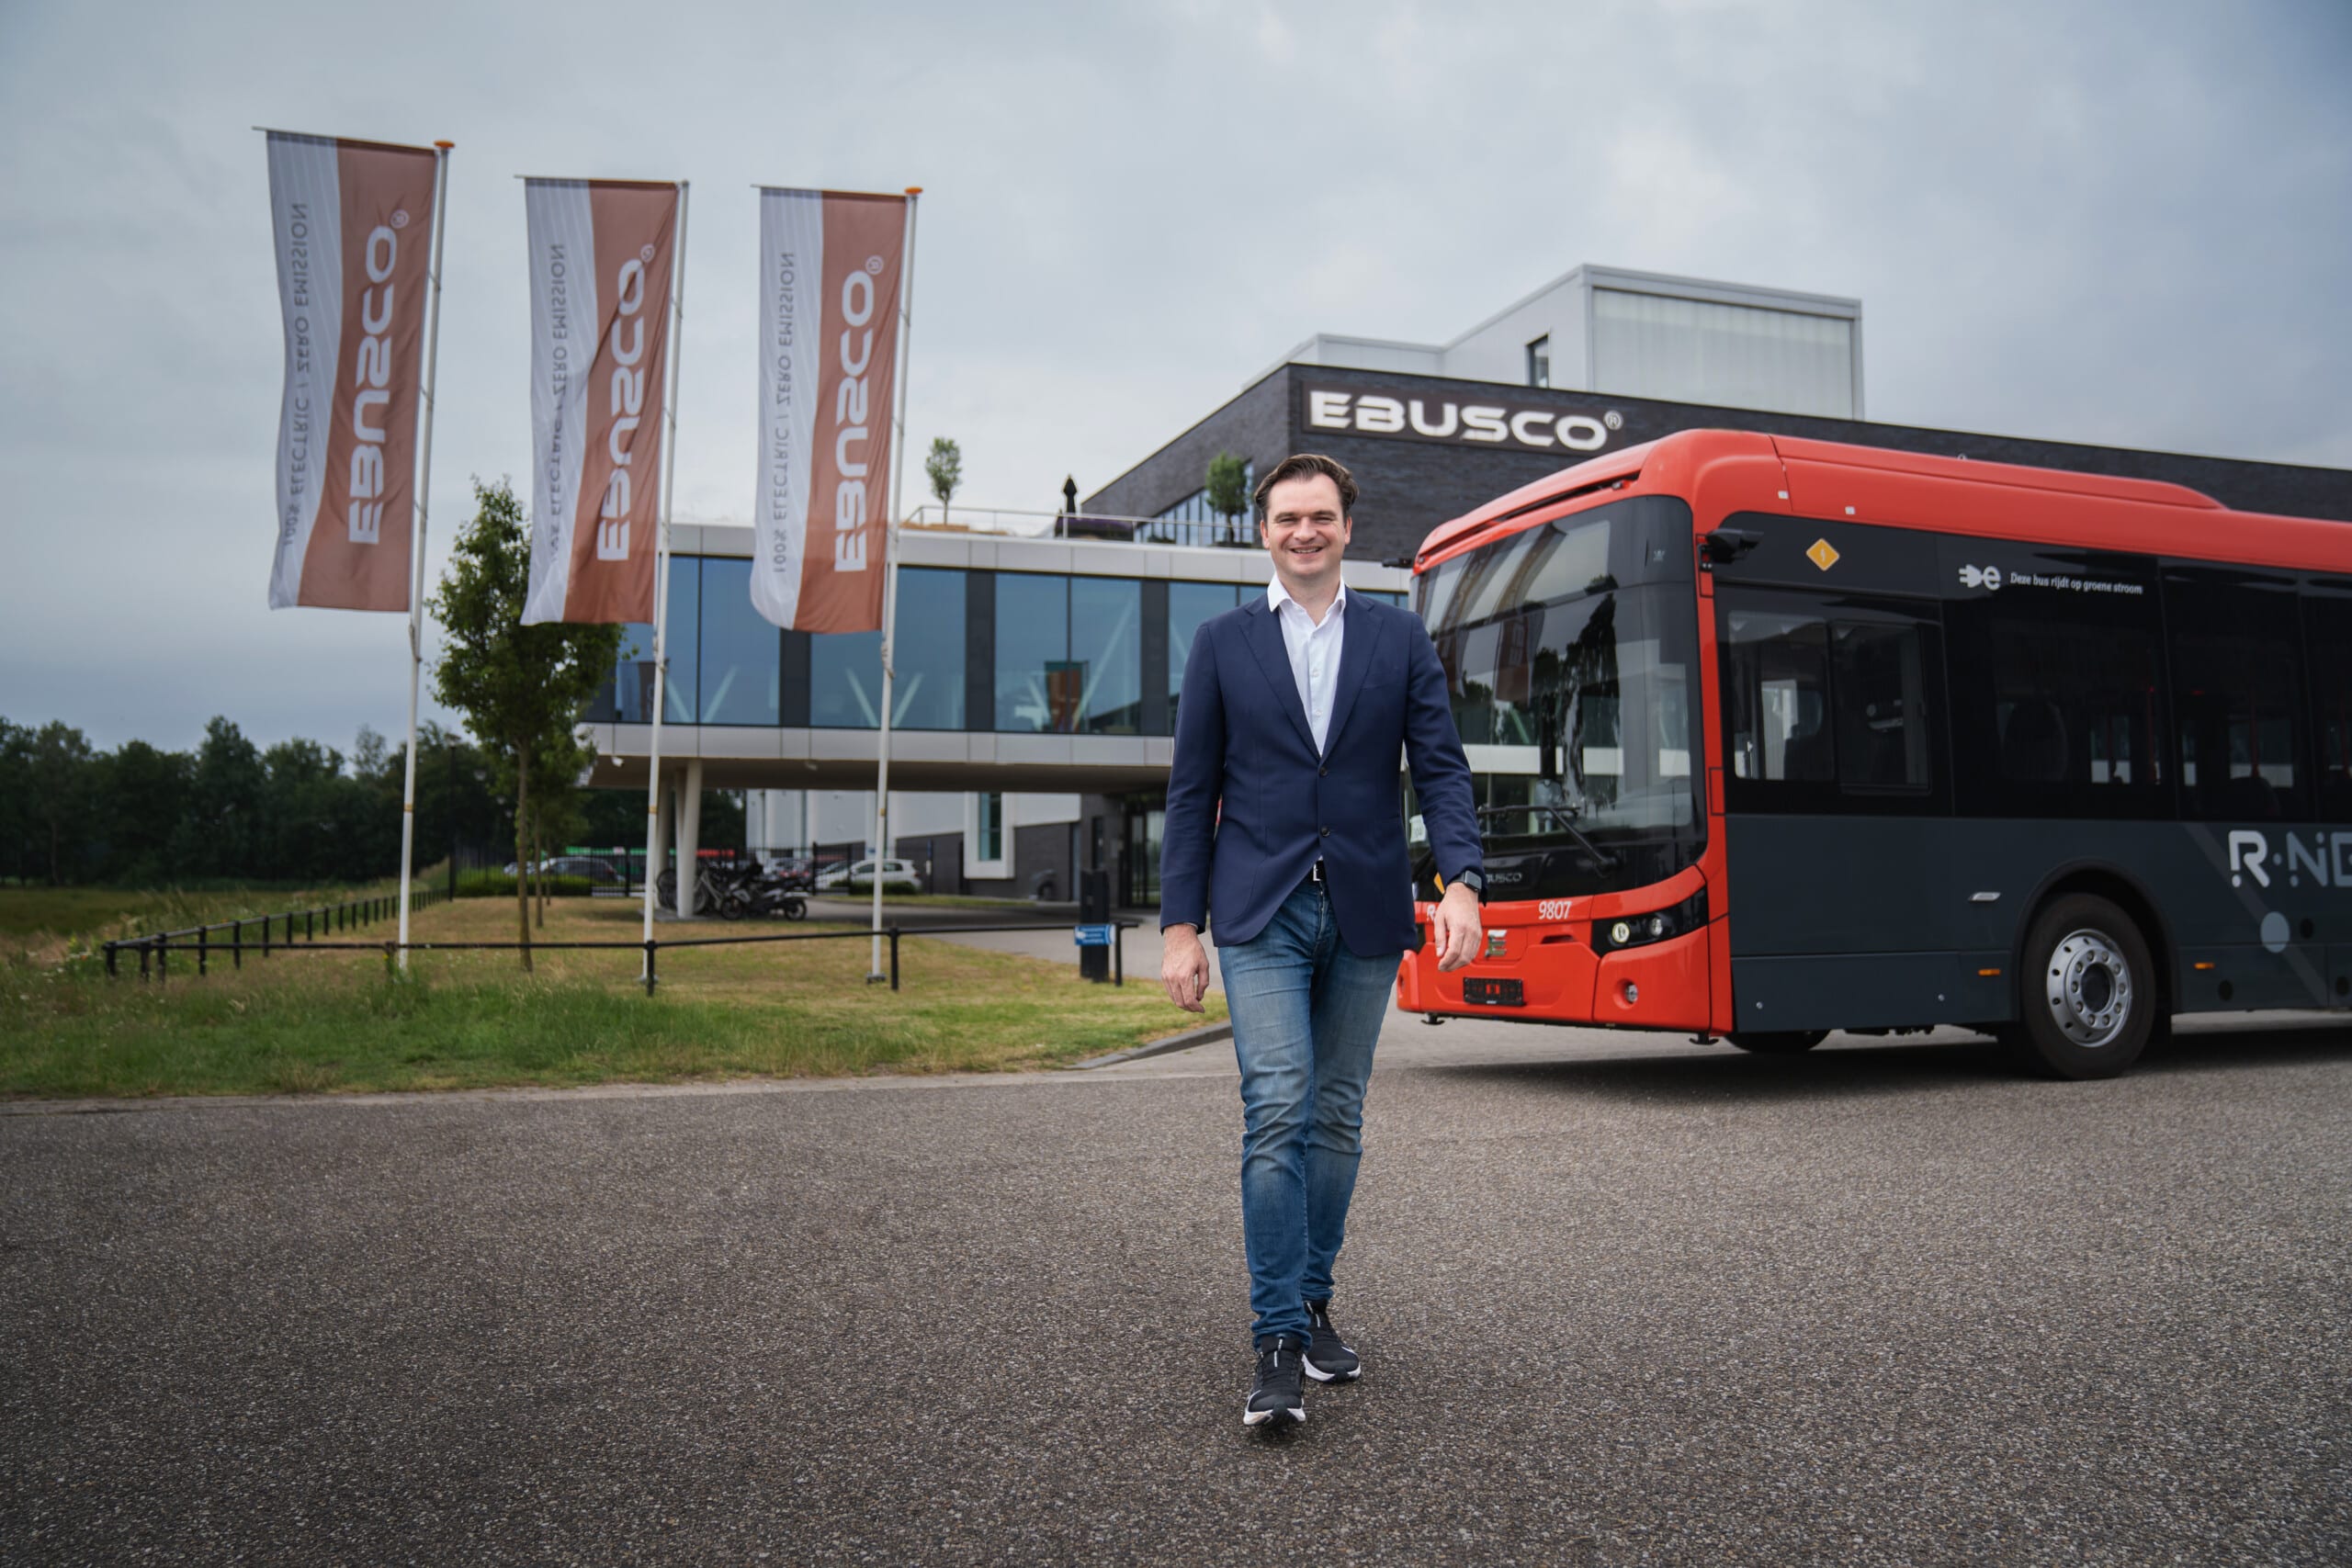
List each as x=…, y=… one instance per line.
x=1527, y=428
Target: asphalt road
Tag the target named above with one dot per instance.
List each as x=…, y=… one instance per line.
x=1620, y=1299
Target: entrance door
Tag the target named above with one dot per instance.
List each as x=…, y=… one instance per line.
x=1144, y=824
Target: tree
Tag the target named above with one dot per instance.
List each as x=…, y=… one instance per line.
x=1228, y=489
x=520, y=688
x=219, y=830
x=16, y=800
x=146, y=790
x=945, y=467
x=59, y=787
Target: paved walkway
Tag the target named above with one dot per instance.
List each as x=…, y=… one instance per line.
x=1620, y=1299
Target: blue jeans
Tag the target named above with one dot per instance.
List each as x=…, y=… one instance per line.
x=1305, y=1015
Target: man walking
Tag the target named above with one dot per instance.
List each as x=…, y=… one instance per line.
x=1285, y=822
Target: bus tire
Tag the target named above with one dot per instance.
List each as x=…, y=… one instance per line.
x=2088, y=990
x=1777, y=1042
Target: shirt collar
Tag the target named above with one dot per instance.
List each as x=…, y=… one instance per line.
x=1277, y=596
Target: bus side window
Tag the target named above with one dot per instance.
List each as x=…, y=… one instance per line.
x=2327, y=644
x=2235, y=695
x=1776, y=674
x=1883, y=679
x=2058, y=700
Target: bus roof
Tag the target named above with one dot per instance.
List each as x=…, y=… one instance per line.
x=1751, y=472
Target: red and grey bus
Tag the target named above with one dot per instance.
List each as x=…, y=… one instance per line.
x=1777, y=736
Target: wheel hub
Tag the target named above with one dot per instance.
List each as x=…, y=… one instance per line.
x=2089, y=989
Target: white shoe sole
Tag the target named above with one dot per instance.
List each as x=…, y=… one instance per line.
x=1296, y=1416
x=1319, y=1375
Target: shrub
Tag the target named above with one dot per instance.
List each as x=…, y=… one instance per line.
x=498, y=884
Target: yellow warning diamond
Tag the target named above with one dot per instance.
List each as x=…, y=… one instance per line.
x=1821, y=555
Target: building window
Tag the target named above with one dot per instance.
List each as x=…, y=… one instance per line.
x=741, y=653
x=1068, y=654
x=1106, y=643
x=1192, y=522
x=1035, y=690
x=845, y=668
x=1189, y=605
x=987, y=829
x=632, y=698
x=1539, y=361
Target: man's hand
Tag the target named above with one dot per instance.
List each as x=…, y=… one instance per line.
x=1457, y=927
x=1185, y=967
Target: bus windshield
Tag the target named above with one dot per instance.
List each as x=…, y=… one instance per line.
x=1570, y=652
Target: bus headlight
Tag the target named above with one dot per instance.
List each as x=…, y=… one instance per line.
x=1639, y=930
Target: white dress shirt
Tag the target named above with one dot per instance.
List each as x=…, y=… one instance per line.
x=1314, y=653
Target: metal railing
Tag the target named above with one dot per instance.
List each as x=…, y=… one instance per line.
x=154, y=952
x=157, y=947
x=1014, y=524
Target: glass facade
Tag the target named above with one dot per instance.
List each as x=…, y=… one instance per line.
x=845, y=668
x=741, y=675
x=1036, y=689
x=1106, y=645
x=1068, y=652
x=1189, y=605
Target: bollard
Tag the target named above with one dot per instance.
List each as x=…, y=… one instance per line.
x=110, y=969
x=894, y=958
x=203, y=949
x=145, y=950
x=1119, y=955
x=650, y=945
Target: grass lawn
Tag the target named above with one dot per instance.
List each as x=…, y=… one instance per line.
x=327, y=1020
x=41, y=922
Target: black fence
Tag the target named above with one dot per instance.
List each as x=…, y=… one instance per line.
x=154, y=952
x=254, y=934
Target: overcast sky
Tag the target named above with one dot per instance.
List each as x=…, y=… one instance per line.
x=2128, y=224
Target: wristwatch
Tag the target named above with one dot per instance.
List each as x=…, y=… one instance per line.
x=1474, y=880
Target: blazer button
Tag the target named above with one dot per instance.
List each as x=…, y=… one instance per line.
x=1327, y=832
x=1322, y=772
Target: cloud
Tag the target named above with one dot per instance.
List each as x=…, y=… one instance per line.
x=2119, y=222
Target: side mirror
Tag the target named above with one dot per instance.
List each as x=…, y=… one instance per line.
x=1728, y=545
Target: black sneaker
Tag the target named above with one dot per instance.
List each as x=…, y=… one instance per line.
x=1328, y=1359
x=1277, y=1396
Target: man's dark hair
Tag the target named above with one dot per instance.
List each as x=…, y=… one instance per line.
x=1301, y=465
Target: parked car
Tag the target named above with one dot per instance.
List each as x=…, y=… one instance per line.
x=599, y=873
x=897, y=876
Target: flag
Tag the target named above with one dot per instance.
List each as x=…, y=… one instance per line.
x=601, y=257
x=352, y=226
x=830, y=268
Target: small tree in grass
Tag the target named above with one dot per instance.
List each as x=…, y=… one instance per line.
x=1228, y=489
x=945, y=467
x=520, y=688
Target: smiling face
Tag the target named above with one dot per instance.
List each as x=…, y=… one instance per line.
x=1307, y=534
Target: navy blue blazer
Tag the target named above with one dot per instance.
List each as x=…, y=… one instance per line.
x=1242, y=739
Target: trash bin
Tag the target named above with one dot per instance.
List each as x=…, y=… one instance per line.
x=1094, y=909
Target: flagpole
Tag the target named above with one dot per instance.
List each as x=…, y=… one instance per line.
x=890, y=582
x=685, y=899
x=416, y=571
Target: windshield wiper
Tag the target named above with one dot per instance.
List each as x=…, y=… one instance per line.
x=1566, y=817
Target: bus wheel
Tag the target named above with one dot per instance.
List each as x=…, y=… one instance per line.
x=1778, y=1042
x=2088, y=990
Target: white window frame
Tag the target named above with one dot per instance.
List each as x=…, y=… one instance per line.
x=974, y=868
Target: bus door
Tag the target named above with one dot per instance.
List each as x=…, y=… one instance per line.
x=1843, y=881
